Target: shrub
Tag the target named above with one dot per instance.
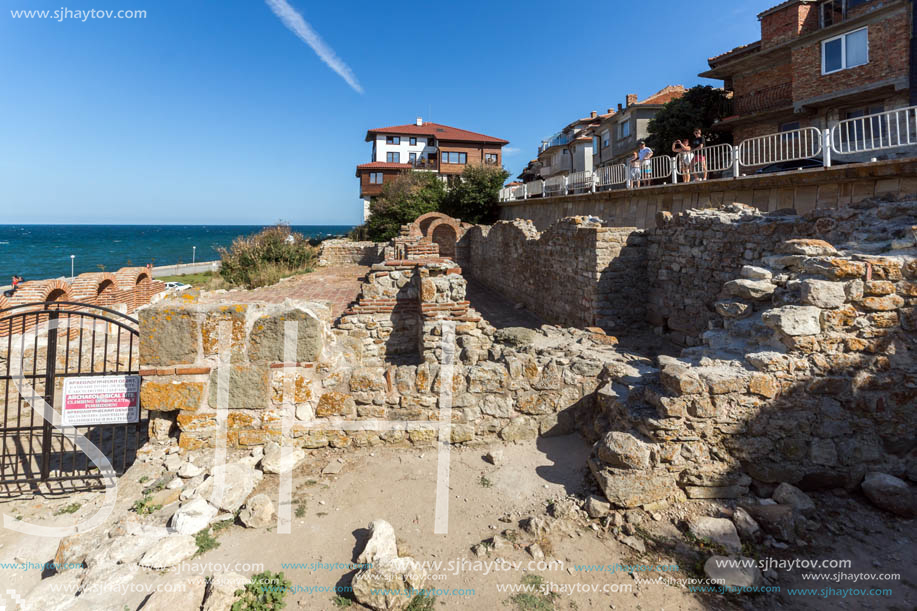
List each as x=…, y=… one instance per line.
x=264, y=592
x=474, y=198
x=403, y=200
x=266, y=257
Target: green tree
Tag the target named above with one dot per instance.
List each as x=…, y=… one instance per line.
x=474, y=198
x=701, y=106
x=401, y=201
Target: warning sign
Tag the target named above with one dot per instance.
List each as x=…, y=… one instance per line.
x=101, y=400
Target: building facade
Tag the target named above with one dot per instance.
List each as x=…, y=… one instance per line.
x=423, y=146
x=818, y=62
x=619, y=133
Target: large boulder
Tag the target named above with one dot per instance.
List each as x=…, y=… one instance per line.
x=258, y=512
x=623, y=451
x=719, y=530
x=238, y=482
x=387, y=584
x=627, y=488
x=788, y=494
x=193, y=517
x=279, y=460
x=890, y=493
x=182, y=593
x=169, y=552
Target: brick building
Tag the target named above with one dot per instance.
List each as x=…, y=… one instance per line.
x=421, y=146
x=818, y=62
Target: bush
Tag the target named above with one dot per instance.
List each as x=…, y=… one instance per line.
x=266, y=257
x=265, y=592
x=474, y=198
x=403, y=200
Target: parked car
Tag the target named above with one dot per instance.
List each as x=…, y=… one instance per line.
x=177, y=287
x=798, y=164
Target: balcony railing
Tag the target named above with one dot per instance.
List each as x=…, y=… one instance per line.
x=425, y=164
x=764, y=99
x=555, y=141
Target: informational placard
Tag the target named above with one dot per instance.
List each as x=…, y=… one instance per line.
x=101, y=400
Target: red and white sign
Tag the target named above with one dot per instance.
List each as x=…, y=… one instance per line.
x=101, y=400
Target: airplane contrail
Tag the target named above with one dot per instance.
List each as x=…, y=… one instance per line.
x=299, y=26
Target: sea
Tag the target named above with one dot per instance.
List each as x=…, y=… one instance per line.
x=37, y=252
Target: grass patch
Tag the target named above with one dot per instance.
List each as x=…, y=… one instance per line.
x=71, y=508
x=421, y=602
x=264, y=592
x=341, y=602
x=485, y=483
x=537, y=599
x=205, y=542
x=300, y=508
x=145, y=505
x=705, y=545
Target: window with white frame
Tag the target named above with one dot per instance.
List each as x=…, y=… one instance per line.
x=845, y=51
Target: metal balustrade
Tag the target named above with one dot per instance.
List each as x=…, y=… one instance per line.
x=717, y=158
x=580, y=182
x=611, y=175
x=556, y=185
x=791, y=145
x=881, y=131
x=876, y=132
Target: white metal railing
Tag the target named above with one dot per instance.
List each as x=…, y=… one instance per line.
x=534, y=188
x=700, y=162
x=880, y=131
x=556, y=185
x=786, y=146
x=610, y=175
x=876, y=132
x=580, y=182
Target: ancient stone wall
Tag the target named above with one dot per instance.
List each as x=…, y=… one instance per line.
x=507, y=386
x=576, y=273
x=807, y=375
x=347, y=252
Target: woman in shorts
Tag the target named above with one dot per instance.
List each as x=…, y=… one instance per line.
x=700, y=159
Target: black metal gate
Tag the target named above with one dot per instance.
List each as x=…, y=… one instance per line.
x=41, y=345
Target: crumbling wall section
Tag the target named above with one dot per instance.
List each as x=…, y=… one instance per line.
x=576, y=273
x=348, y=252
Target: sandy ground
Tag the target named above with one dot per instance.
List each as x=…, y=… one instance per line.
x=399, y=485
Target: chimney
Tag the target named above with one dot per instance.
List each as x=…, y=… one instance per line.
x=593, y=114
x=631, y=99
x=620, y=108
x=611, y=110
x=419, y=121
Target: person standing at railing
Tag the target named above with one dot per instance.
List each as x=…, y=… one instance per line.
x=700, y=158
x=684, y=156
x=645, y=154
x=635, y=170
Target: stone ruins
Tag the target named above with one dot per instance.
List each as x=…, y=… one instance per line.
x=723, y=348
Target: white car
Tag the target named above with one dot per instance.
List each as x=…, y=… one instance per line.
x=177, y=287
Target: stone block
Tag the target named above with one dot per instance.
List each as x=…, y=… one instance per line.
x=266, y=342
x=623, y=451
x=170, y=396
x=822, y=293
x=333, y=403
x=794, y=320
x=168, y=336
x=210, y=329
x=249, y=387
x=628, y=489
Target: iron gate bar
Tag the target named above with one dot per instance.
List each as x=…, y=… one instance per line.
x=58, y=458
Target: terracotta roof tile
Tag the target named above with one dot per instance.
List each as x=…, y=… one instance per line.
x=667, y=94
x=438, y=131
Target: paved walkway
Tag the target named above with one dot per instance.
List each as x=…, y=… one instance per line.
x=339, y=285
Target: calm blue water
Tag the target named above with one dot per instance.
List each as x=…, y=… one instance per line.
x=43, y=251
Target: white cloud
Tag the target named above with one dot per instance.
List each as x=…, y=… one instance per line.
x=299, y=26
x=510, y=150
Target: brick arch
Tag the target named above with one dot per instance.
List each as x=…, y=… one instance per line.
x=41, y=290
x=4, y=302
x=136, y=286
x=421, y=225
x=445, y=234
x=129, y=277
x=98, y=287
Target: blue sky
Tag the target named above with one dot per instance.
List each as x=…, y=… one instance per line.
x=216, y=113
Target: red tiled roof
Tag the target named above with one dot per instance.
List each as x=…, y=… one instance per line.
x=384, y=165
x=438, y=131
x=667, y=94
x=784, y=5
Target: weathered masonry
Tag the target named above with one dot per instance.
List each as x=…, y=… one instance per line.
x=801, y=334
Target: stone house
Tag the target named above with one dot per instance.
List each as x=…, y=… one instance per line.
x=819, y=62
